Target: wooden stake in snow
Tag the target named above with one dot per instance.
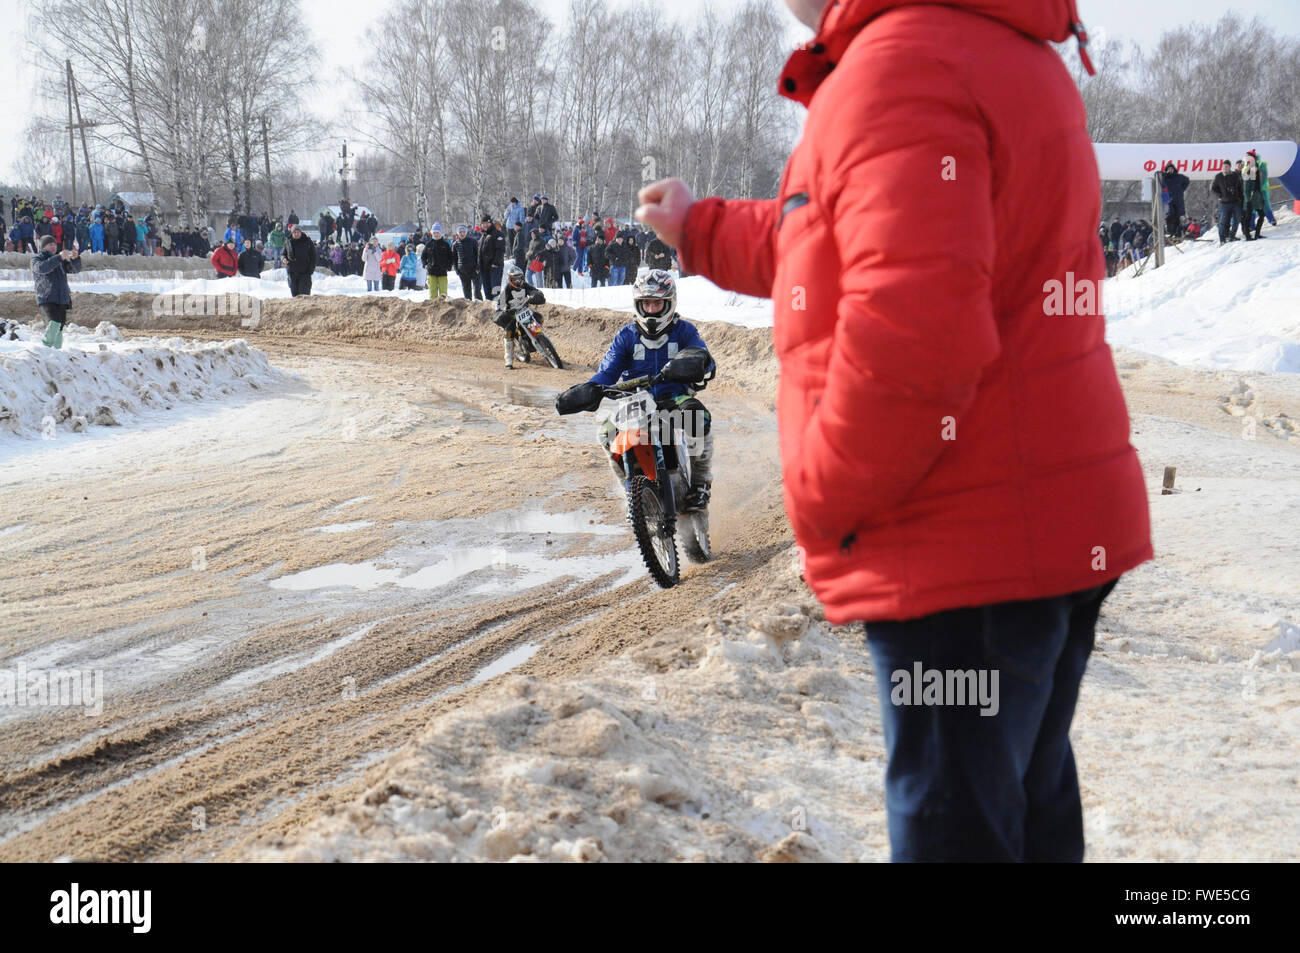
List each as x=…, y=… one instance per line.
x=1169, y=481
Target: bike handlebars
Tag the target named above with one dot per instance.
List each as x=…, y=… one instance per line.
x=582, y=397
x=620, y=388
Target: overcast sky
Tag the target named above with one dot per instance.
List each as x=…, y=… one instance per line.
x=337, y=25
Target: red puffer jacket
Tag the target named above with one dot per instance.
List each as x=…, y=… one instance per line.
x=945, y=440
x=225, y=261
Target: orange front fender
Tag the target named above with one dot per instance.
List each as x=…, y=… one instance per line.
x=638, y=442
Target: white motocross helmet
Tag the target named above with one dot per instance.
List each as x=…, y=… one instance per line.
x=655, y=297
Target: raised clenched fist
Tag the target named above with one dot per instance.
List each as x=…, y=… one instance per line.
x=664, y=205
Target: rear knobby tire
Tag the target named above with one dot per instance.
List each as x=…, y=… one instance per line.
x=695, y=536
x=658, y=550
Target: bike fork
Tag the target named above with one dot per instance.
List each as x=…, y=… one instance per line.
x=666, y=494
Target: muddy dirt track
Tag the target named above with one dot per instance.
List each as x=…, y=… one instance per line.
x=286, y=590
x=244, y=695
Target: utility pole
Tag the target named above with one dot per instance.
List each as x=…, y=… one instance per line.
x=344, y=171
x=81, y=125
x=266, y=154
x=72, y=136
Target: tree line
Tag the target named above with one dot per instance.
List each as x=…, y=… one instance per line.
x=494, y=101
x=462, y=103
x=191, y=97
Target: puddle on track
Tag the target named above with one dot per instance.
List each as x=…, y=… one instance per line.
x=504, y=552
x=353, y=502
x=343, y=527
x=286, y=666
x=361, y=576
x=536, y=521
x=510, y=660
x=529, y=395
x=446, y=411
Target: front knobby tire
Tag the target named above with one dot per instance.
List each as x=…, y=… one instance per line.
x=658, y=547
x=548, y=351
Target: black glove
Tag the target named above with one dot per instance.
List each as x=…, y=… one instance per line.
x=692, y=366
x=580, y=397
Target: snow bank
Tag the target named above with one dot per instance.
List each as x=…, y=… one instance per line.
x=99, y=379
x=1230, y=307
x=698, y=298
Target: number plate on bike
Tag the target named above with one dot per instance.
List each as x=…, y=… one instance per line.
x=633, y=413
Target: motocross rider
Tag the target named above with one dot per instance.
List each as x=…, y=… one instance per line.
x=516, y=294
x=643, y=348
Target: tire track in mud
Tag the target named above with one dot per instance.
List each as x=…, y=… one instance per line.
x=261, y=758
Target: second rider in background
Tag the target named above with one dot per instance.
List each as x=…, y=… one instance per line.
x=516, y=294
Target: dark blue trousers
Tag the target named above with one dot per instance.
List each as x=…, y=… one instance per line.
x=966, y=786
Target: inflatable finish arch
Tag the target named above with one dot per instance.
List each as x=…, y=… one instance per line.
x=1126, y=161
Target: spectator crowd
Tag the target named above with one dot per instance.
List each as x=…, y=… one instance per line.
x=111, y=229
x=551, y=250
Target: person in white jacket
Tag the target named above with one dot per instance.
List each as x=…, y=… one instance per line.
x=370, y=265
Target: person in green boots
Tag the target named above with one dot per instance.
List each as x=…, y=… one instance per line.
x=51, y=268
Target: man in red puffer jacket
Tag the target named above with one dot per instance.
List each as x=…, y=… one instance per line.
x=954, y=441
x=225, y=260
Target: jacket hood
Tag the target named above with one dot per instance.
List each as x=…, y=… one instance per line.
x=842, y=20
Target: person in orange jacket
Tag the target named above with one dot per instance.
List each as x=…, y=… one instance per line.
x=225, y=260
x=954, y=441
x=389, y=264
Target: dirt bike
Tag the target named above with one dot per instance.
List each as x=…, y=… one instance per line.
x=533, y=340
x=651, y=457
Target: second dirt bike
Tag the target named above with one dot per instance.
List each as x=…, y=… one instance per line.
x=649, y=451
x=533, y=340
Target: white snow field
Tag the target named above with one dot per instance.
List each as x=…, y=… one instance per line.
x=1234, y=307
x=1230, y=307
x=99, y=379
